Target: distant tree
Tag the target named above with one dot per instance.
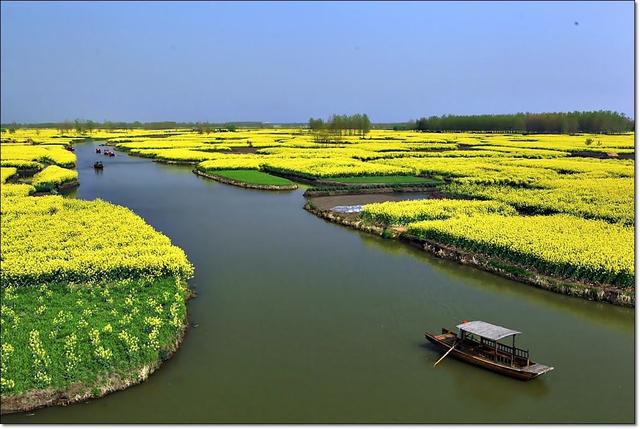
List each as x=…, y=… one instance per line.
x=89, y=126
x=337, y=126
x=555, y=122
x=365, y=125
x=401, y=127
x=316, y=124
x=67, y=126
x=78, y=126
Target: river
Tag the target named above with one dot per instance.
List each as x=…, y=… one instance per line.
x=301, y=320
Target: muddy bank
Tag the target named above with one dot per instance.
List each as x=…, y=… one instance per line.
x=430, y=191
x=25, y=172
x=167, y=161
x=243, y=149
x=62, y=188
x=349, y=219
x=66, y=186
x=603, y=155
x=128, y=151
x=504, y=268
x=327, y=202
x=229, y=181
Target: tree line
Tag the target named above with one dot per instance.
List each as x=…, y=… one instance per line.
x=87, y=126
x=602, y=121
x=337, y=126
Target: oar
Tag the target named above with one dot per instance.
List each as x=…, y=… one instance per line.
x=445, y=355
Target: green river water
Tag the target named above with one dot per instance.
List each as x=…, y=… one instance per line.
x=301, y=320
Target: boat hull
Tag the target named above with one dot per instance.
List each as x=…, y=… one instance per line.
x=525, y=373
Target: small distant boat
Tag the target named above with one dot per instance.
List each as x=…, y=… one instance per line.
x=477, y=344
x=98, y=165
x=98, y=150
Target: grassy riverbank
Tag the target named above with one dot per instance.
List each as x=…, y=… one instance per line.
x=93, y=298
x=558, y=245
x=250, y=179
x=566, y=267
x=65, y=341
x=253, y=177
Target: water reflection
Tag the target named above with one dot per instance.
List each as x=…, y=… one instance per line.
x=594, y=312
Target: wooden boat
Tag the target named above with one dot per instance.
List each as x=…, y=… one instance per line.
x=477, y=344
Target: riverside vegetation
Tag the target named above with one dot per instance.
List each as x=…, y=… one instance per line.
x=91, y=292
x=576, y=188
x=93, y=298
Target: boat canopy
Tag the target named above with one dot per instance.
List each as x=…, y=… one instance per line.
x=487, y=330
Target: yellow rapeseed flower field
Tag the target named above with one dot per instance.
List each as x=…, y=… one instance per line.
x=401, y=212
x=562, y=245
x=6, y=173
x=82, y=281
x=89, y=288
x=65, y=240
x=53, y=176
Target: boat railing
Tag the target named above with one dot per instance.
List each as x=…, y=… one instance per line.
x=503, y=360
x=503, y=348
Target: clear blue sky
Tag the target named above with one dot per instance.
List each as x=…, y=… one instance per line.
x=280, y=62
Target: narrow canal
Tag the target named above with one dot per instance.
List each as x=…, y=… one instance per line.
x=300, y=320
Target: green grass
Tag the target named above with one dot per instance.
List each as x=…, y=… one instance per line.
x=253, y=177
x=380, y=179
x=55, y=335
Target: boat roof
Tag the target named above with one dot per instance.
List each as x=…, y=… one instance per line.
x=487, y=330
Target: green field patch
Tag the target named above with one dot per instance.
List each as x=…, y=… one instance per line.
x=253, y=177
x=54, y=335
